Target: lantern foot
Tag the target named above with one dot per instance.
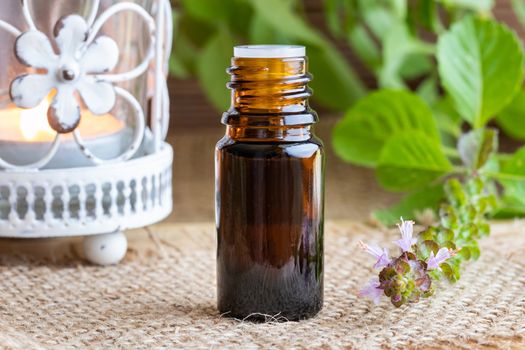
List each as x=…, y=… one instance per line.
x=105, y=249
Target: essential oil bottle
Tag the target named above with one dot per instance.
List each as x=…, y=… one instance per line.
x=269, y=189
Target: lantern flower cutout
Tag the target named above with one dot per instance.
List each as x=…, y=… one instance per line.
x=73, y=70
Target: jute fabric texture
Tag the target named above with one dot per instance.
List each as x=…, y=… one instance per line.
x=163, y=296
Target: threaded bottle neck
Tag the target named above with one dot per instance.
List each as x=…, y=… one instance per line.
x=269, y=93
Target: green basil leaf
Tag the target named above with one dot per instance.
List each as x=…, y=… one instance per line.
x=512, y=177
x=446, y=116
x=411, y=160
x=447, y=119
x=427, y=198
x=512, y=118
x=481, y=67
x=359, y=137
x=211, y=68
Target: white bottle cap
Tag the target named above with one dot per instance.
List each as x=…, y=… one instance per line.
x=269, y=51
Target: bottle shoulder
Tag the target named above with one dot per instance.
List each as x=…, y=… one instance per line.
x=227, y=141
x=304, y=116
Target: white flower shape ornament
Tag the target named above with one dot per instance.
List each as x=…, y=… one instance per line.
x=71, y=72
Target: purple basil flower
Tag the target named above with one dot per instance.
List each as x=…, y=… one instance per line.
x=396, y=298
x=372, y=291
x=381, y=254
x=434, y=261
x=407, y=241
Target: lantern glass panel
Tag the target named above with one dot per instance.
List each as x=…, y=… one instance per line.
x=127, y=29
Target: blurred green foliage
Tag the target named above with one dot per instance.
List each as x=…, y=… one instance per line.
x=206, y=31
x=415, y=140
x=393, y=39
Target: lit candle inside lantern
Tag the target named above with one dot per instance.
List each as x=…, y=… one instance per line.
x=33, y=126
x=24, y=132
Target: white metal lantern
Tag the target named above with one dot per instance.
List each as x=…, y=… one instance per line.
x=84, y=112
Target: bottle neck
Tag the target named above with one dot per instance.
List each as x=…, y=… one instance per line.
x=296, y=133
x=269, y=99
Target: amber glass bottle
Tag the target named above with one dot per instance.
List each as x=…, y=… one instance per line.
x=269, y=189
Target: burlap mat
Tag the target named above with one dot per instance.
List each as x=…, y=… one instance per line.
x=163, y=295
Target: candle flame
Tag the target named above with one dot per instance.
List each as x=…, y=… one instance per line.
x=31, y=125
x=34, y=124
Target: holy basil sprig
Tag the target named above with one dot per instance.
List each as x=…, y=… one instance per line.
x=438, y=251
x=415, y=143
